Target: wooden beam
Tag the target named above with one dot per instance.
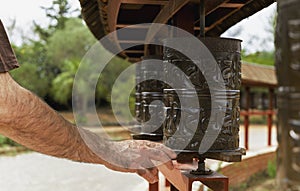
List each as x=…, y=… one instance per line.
x=112, y=13
x=169, y=10
x=132, y=26
x=198, y=28
x=134, y=51
x=146, y=2
x=134, y=60
x=139, y=42
x=225, y=17
x=175, y=177
x=211, y=6
x=182, y=180
x=232, y=5
x=184, y=19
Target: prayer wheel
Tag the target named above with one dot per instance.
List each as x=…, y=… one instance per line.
x=225, y=147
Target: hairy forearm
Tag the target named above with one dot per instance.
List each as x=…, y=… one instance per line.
x=32, y=123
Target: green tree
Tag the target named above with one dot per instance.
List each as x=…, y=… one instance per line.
x=31, y=74
x=108, y=76
x=63, y=83
x=69, y=43
x=58, y=13
x=264, y=58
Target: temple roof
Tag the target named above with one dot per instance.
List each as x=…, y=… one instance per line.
x=258, y=75
x=105, y=16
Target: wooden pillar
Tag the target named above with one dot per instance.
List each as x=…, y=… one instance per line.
x=167, y=183
x=270, y=116
x=154, y=187
x=246, y=118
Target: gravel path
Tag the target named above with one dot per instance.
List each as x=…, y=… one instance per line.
x=37, y=172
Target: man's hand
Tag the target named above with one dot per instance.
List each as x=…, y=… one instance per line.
x=29, y=121
x=141, y=157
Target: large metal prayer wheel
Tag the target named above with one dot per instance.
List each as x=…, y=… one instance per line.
x=226, y=146
x=288, y=73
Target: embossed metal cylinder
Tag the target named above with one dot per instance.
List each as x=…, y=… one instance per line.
x=175, y=132
x=227, y=53
x=288, y=73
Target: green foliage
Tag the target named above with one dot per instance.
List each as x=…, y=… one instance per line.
x=49, y=65
x=69, y=43
x=58, y=14
x=4, y=141
x=62, y=85
x=271, y=169
x=65, y=49
x=108, y=76
x=33, y=73
x=264, y=58
x=28, y=76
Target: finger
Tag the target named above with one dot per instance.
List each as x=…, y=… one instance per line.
x=120, y=169
x=150, y=176
x=153, y=170
x=147, y=163
x=161, y=147
x=167, y=150
x=160, y=156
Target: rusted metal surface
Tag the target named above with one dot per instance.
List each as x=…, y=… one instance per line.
x=288, y=72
